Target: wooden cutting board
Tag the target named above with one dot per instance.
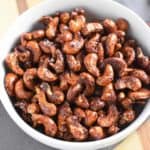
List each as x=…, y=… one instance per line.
x=9, y=10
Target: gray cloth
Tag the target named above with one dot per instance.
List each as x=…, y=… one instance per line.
x=12, y=138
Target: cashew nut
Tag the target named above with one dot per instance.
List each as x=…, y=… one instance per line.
x=129, y=82
x=10, y=80
x=107, y=77
x=50, y=127
x=90, y=62
x=21, y=92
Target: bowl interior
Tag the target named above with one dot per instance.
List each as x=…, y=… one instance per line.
x=97, y=9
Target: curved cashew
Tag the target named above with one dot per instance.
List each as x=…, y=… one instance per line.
x=64, y=17
x=10, y=80
x=113, y=129
x=96, y=132
x=92, y=27
x=74, y=46
x=96, y=104
x=140, y=94
x=118, y=64
x=79, y=113
x=129, y=54
x=110, y=119
x=13, y=63
x=50, y=127
x=78, y=131
x=90, y=117
x=100, y=52
x=122, y=24
x=129, y=82
x=52, y=27
x=82, y=101
x=29, y=78
x=56, y=97
x=73, y=91
x=90, y=62
x=35, y=50
x=142, y=60
x=107, y=77
x=91, y=44
x=76, y=24
x=109, y=25
x=127, y=117
x=142, y=75
x=108, y=93
x=47, y=108
x=126, y=103
x=88, y=82
x=74, y=63
x=33, y=108
x=111, y=42
x=64, y=112
x=58, y=66
x=20, y=91
x=48, y=47
x=43, y=72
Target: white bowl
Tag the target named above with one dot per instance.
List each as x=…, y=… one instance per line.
x=98, y=9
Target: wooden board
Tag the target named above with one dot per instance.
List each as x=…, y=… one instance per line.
x=9, y=10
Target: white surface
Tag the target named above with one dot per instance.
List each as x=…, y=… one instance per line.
x=99, y=8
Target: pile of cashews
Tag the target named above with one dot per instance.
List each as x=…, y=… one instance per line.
x=78, y=80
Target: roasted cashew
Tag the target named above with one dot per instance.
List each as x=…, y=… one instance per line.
x=64, y=112
x=80, y=113
x=48, y=47
x=129, y=82
x=129, y=55
x=56, y=97
x=58, y=64
x=118, y=64
x=29, y=78
x=64, y=17
x=13, y=63
x=74, y=46
x=140, y=94
x=100, y=52
x=142, y=60
x=10, y=80
x=78, y=131
x=107, y=76
x=33, y=108
x=91, y=44
x=47, y=108
x=96, y=132
x=76, y=24
x=142, y=75
x=96, y=104
x=109, y=25
x=127, y=117
x=111, y=42
x=35, y=50
x=50, y=127
x=20, y=91
x=108, y=93
x=122, y=24
x=82, y=101
x=90, y=62
x=90, y=117
x=73, y=91
x=92, y=27
x=88, y=82
x=74, y=63
x=110, y=119
x=52, y=27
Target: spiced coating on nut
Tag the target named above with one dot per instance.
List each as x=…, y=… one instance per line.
x=76, y=78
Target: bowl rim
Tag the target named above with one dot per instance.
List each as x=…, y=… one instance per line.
x=52, y=141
